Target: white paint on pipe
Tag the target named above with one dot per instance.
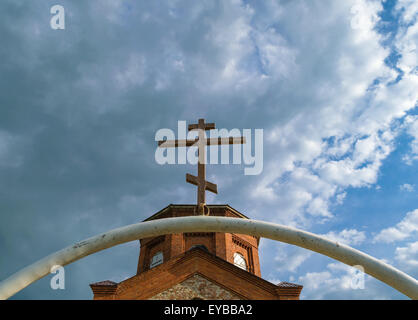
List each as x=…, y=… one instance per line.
x=372, y=266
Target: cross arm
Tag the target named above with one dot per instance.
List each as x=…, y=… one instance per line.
x=228, y=140
x=176, y=143
x=208, y=142
x=208, y=126
x=208, y=185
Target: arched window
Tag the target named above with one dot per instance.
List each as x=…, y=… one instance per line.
x=239, y=261
x=156, y=259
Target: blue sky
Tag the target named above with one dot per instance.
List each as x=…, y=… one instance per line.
x=333, y=84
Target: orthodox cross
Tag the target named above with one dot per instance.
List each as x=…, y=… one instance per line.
x=201, y=142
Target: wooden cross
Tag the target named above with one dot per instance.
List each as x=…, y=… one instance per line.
x=201, y=142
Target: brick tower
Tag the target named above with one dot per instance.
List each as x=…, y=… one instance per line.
x=198, y=265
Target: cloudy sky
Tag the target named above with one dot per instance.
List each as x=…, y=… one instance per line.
x=333, y=84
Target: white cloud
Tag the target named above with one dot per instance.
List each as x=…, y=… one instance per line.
x=407, y=187
x=408, y=36
x=406, y=45
x=290, y=258
x=347, y=236
x=402, y=230
x=411, y=125
x=340, y=281
x=409, y=8
x=408, y=256
x=339, y=136
x=340, y=197
x=318, y=280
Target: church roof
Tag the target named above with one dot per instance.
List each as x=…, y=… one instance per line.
x=104, y=283
x=285, y=284
x=191, y=206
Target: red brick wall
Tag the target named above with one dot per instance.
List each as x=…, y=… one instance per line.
x=204, y=238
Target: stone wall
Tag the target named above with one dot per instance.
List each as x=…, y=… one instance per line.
x=196, y=287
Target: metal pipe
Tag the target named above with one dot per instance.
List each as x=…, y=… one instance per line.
x=372, y=266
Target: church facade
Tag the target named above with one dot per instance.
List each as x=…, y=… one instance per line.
x=197, y=265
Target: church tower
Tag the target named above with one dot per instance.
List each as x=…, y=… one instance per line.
x=198, y=265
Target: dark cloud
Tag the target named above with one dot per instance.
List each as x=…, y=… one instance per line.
x=79, y=109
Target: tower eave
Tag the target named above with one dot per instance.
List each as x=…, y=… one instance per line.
x=210, y=206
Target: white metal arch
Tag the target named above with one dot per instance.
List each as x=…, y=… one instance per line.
x=372, y=266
